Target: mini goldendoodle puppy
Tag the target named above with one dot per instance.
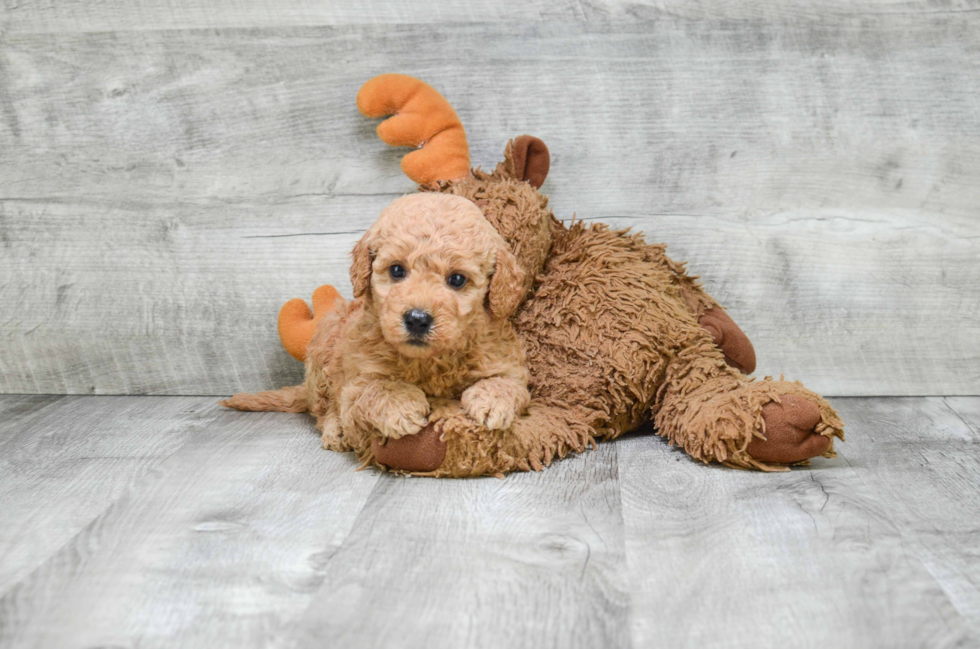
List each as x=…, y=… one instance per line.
x=435, y=286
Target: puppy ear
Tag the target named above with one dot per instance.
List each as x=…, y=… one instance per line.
x=360, y=268
x=506, y=285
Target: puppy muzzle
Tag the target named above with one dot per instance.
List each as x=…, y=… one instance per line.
x=418, y=324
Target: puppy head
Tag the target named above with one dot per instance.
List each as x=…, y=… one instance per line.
x=435, y=272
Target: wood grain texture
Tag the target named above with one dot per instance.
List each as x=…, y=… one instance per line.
x=922, y=456
x=967, y=409
x=223, y=544
x=876, y=548
x=535, y=560
x=745, y=9
x=65, y=461
x=21, y=16
x=145, y=15
x=163, y=193
x=248, y=534
x=17, y=411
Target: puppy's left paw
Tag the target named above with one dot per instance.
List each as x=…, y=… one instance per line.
x=489, y=408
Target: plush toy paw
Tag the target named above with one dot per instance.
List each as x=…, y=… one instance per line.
x=730, y=339
x=791, y=434
x=495, y=403
x=418, y=453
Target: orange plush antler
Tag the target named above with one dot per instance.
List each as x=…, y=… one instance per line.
x=422, y=118
x=297, y=323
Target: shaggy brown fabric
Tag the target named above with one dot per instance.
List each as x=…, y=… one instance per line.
x=612, y=338
x=790, y=438
x=544, y=434
x=615, y=334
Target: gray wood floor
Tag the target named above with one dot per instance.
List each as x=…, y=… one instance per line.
x=166, y=521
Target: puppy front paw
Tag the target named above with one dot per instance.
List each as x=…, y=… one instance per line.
x=332, y=438
x=403, y=417
x=487, y=408
x=333, y=441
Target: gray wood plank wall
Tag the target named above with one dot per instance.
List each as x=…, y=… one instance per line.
x=168, y=179
x=125, y=15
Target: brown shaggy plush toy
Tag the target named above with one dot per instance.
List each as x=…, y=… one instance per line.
x=615, y=334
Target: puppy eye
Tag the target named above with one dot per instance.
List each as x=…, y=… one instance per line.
x=396, y=271
x=456, y=280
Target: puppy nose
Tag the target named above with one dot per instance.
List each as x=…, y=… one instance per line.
x=417, y=322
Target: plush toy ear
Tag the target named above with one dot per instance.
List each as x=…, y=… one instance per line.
x=506, y=284
x=360, y=268
x=531, y=160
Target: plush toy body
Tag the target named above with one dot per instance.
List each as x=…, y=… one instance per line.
x=615, y=335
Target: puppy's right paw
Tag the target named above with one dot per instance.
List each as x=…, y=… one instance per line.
x=333, y=442
x=404, y=417
x=332, y=438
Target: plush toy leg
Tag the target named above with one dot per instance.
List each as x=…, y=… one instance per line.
x=729, y=338
x=715, y=415
x=747, y=424
x=455, y=446
x=727, y=335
